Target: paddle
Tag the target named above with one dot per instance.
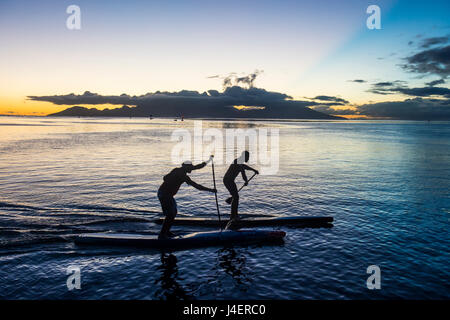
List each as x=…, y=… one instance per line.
x=215, y=194
x=231, y=198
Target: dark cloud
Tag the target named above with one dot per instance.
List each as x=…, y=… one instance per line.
x=249, y=79
x=358, y=81
x=421, y=107
x=227, y=82
x=254, y=93
x=233, y=79
x=331, y=99
x=385, y=84
x=214, y=93
x=332, y=111
x=429, y=42
x=435, y=82
x=385, y=88
x=425, y=91
x=409, y=109
x=234, y=92
x=93, y=98
x=428, y=62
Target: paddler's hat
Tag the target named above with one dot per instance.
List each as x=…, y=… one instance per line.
x=188, y=165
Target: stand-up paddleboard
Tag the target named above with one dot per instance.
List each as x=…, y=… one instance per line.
x=198, y=239
x=254, y=222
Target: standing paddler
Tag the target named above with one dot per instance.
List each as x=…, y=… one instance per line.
x=169, y=188
x=238, y=166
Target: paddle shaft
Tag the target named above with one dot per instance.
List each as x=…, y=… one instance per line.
x=215, y=194
x=229, y=199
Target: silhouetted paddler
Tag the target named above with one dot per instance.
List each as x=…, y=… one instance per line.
x=238, y=166
x=170, y=187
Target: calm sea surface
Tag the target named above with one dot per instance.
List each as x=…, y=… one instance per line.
x=386, y=183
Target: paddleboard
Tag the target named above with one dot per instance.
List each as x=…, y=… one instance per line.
x=299, y=221
x=198, y=239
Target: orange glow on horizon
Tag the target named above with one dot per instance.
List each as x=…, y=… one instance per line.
x=249, y=108
x=25, y=107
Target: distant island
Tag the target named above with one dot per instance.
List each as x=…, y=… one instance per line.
x=234, y=102
x=174, y=112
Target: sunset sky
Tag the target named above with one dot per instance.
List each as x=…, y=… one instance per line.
x=303, y=48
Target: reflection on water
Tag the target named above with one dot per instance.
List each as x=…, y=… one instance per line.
x=169, y=285
x=233, y=263
x=168, y=281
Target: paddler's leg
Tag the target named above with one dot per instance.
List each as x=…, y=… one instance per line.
x=232, y=188
x=165, y=229
x=169, y=207
x=234, y=207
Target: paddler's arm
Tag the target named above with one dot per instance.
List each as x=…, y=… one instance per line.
x=199, y=186
x=199, y=166
x=203, y=164
x=244, y=176
x=246, y=167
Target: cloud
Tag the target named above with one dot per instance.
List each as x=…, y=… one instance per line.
x=410, y=109
x=429, y=42
x=234, y=92
x=386, y=87
x=93, y=98
x=358, y=81
x=435, y=61
x=214, y=93
x=227, y=81
x=389, y=83
x=233, y=79
x=254, y=93
x=435, y=82
x=425, y=91
x=249, y=79
x=383, y=84
x=398, y=86
x=330, y=99
x=332, y=111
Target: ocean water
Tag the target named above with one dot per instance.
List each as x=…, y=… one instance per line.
x=386, y=183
